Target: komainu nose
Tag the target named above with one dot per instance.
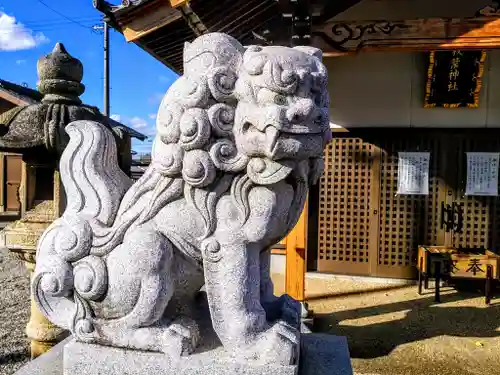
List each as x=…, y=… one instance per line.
x=300, y=111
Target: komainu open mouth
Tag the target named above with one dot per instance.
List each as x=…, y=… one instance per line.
x=264, y=171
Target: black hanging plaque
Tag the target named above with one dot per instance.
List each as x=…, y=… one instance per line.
x=454, y=79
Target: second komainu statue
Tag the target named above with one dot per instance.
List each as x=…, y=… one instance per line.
x=240, y=136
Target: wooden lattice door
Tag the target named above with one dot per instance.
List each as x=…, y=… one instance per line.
x=364, y=227
x=479, y=224
x=344, y=207
x=407, y=221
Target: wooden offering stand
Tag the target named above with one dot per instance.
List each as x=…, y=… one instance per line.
x=443, y=262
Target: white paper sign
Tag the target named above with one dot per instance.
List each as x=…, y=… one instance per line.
x=482, y=173
x=413, y=173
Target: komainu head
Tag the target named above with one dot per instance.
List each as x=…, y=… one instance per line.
x=257, y=110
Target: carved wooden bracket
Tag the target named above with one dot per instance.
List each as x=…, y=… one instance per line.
x=413, y=35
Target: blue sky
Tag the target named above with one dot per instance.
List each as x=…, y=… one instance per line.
x=29, y=29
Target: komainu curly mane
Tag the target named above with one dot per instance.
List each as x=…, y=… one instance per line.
x=194, y=154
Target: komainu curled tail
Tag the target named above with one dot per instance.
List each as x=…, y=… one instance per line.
x=66, y=266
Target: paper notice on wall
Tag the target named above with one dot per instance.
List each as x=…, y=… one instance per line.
x=413, y=173
x=482, y=173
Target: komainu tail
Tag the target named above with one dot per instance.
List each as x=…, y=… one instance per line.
x=92, y=179
x=67, y=275
x=102, y=205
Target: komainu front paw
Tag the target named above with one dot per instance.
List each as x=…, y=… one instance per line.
x=278, y=345
x=181, y=337
x=284, y=308
x=290, y=310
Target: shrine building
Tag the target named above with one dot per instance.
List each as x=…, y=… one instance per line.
x=414, y=110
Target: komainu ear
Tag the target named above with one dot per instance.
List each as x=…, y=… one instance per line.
x=316, y=52
x=210, y=51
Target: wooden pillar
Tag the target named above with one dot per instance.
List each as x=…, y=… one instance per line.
x=296, y=244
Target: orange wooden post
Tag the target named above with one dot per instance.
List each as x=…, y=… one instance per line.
x=296, y=243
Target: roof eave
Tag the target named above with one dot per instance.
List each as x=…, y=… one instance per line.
x=133, y=133
x=17, y=100
x=152, y=53
x=107, y=8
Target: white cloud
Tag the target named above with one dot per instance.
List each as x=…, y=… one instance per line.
x=156, y=98
x=152, y=116
x=150, y=131
x=20, y=62
x=141, y=147
x=138, y=122
x=14, y=36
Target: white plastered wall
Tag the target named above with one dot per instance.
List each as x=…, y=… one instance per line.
x=388, y=90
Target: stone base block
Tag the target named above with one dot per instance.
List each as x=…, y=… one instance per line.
x=84, y=359
x=320, y=355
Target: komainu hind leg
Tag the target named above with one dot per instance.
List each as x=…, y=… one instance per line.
x=181, y=337
x=176, y=338
x=141, y=286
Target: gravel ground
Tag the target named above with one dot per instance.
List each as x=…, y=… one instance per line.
x=14, y=313
x=391, y=329
x=394, y=331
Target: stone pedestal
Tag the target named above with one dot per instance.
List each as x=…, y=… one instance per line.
x=97, y=359
x=21, y=237
x=320, y=355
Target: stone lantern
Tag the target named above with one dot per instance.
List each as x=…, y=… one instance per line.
x=37, y=133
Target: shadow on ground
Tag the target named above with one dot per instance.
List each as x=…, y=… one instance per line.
x=354, y=292
x=422, y=319
x=14, y=357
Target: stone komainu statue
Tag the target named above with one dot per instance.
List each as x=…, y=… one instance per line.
x=239, y=138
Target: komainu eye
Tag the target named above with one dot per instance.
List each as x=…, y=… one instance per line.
x=280, y=100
